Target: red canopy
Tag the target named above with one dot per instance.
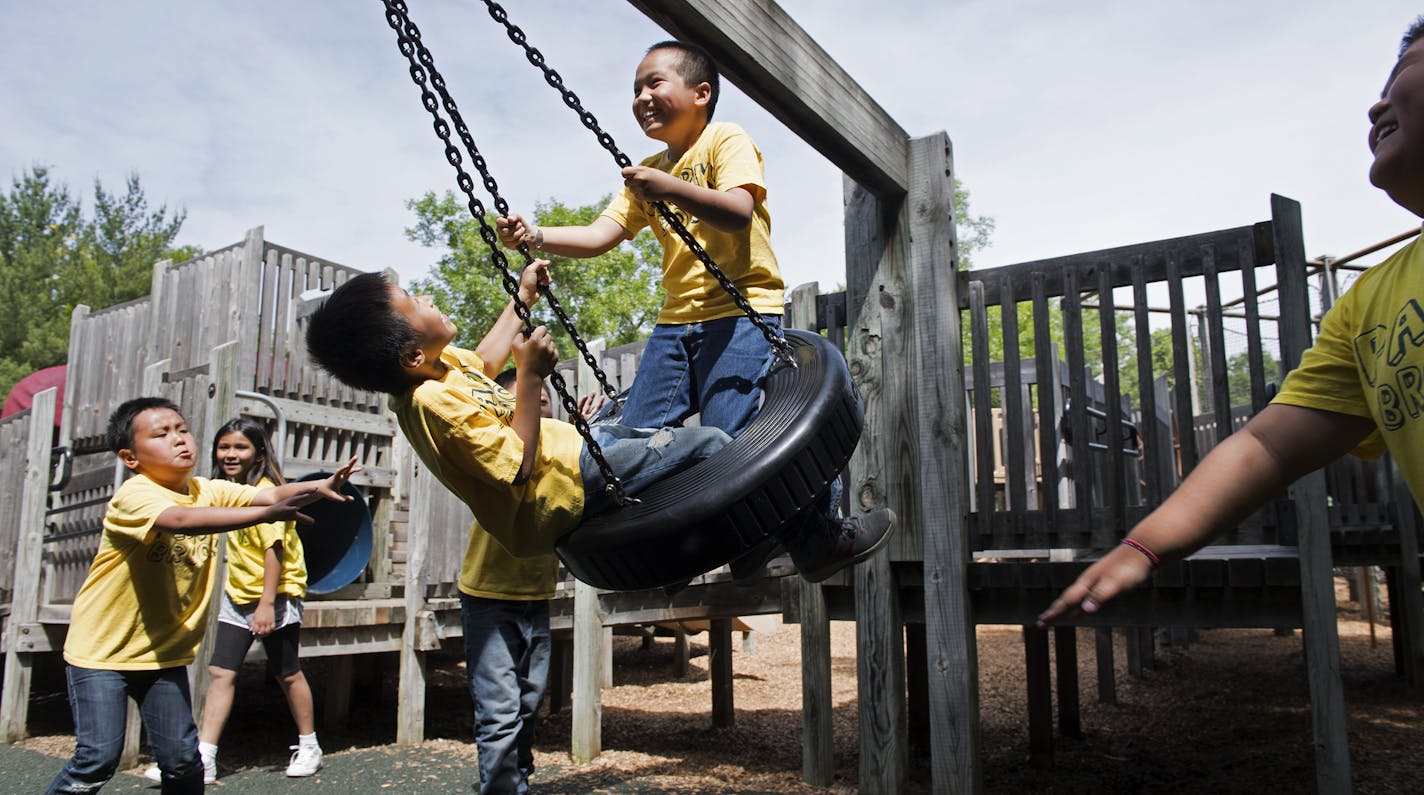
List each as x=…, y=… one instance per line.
x=23, y=393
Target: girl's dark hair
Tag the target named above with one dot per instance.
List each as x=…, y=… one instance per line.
x=263, y=464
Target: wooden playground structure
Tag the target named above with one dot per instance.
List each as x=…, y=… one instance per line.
x=1006, y=474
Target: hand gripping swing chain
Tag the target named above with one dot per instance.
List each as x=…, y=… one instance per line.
x=778, y=342
x=424, y=75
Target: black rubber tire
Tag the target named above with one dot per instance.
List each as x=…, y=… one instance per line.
x=706, y=516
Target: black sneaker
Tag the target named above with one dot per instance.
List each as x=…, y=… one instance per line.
x=844, y=544
x=751, y=566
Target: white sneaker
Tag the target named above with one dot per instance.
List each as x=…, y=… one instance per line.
x=305, y=761
x=210, y=772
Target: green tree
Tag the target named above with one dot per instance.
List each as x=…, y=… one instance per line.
x=615, y=296
x=52, y=259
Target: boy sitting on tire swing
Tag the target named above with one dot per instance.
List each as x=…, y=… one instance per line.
x=527, y=480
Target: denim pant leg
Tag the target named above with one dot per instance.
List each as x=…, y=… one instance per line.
x=533, y=680
x=730, y=359
x=99, y=702
x=641, y=457
x=507, y=662
x=167, y=709
x=661, y=393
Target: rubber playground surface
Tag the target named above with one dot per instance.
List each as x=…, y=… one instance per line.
x=388, y=769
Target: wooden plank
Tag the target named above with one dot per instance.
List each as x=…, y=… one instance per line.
x=719, y=645
x=1107, y=674
x=760, y=49
x=1081, y=461
x=1065, y=658
x=1317, y=581
x=1216, y=348
x=24, y=607
x=1182, y=357
x=1115, y=491
x=410, y=708
x=880, y=679
x=1050, y=408
x=586, y=738
x=940, y=457
x=247, y=313
x=1040, y=698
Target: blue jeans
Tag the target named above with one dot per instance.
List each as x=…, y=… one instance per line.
x=99, y=701
x=641, y=457
x=715, y=368
x=507, y=661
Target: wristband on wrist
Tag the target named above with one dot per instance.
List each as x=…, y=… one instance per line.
x=1147, y=553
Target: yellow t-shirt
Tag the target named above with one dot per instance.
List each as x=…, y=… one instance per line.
x=144, y=604
x=489, y=571
x=246, y=556
x=1368, y=361
x=459, y=427
x=723, y=157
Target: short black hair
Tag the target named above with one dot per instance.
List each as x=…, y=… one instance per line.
x=1415, y=32
x=357, y=337
x=695, y=65
x=120, y=433
x=506, y=378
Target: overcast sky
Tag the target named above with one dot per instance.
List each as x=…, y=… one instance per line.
x=1076, y=126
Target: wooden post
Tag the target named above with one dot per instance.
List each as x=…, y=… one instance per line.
x=1065, y=658
x=817, y=741
x=681, y=653
x=410, y=698
x=587, y=741
x=1040, y=698
x=1317, y=578
x=1408, y=611
x=24, y=605
x=719, y=643
x=336, y=710
x=1107, y=675
x=219, y=405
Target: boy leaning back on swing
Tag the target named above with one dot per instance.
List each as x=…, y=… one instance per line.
x=1355, y=390
x=528, y=480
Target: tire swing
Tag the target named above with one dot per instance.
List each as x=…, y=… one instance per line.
x=721, y=508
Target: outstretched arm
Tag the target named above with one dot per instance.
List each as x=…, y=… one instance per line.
x=1279, y=445
x=579, y=242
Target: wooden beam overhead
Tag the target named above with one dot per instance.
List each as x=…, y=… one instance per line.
x=760, y=49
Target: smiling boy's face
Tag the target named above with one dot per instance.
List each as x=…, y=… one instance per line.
x=1397, y=132
x=162, y=447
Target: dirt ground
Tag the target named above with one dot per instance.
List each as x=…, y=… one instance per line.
x=1227, y=713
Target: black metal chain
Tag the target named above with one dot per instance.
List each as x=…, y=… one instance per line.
x=424, y=75
x=556, y=81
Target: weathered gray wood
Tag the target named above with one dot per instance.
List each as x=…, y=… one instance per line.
x=336, y=710
x=1065, y=658
x=1406, y=600
x=1107, y=674
x=24, y=607
x=767, y=55
x=817, y=740
x=941, y=457
x=586, y=738
x=1317, y=580
x=410, y=722
x=220, y=405
x=1040, y=698
x=880, y=679
x=719, y=647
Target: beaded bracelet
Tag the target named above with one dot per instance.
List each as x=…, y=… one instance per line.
x=1147, y=553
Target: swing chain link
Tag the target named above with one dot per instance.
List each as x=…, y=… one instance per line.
x=422, y=70
x=778, y=342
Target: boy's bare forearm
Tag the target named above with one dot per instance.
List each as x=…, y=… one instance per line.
x=581, y=242
x=724, y=210
x=208, y=520
x=528, y=388
x=1280, y=445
